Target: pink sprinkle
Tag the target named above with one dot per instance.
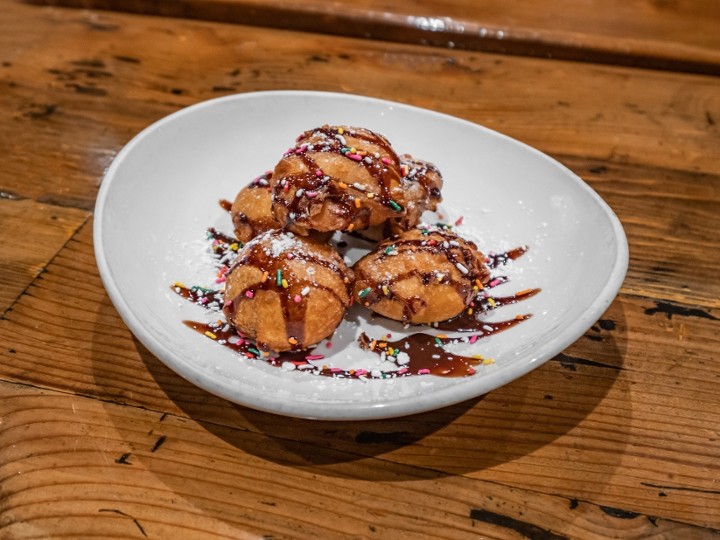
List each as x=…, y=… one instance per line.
x=360, y=372
x=356, y=157
x=329, y=344
x=495, y=282
x=290, y=256
x=311, y=194
x=219, y=280
x=311, y=357
x=473, y=338
x=228, y=303
x=204, y=300
x=297, y=298
x=402, y=371
x=318, y=172
x=423, y=371
x=249, y=294
x=335, y=369
x=459, y=221
x=386, y=161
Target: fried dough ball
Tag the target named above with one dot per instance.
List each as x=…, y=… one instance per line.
x=287, y=292
x=423, y=275
x=251, y=211
x=337, y=178
x=422, y=184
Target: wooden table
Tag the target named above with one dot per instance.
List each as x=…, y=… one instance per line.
x=618, y=436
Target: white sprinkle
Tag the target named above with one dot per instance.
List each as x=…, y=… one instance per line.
x=305, y=291
x=359, y=186
x=453, y=243
x=434, y=356
x=288, y=366
x=461, y=268
x=367, y=159
x=341, y=139
x=299, y=192
x=403, y=358
x=376, y=373
x=487, y=328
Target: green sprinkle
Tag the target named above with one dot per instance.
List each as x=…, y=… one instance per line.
x=254, y=351
x=364, y=292
x=439, y=341
x=395, y=206
x=389, y=249
x=278, y=278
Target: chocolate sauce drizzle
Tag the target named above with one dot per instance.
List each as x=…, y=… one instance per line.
x=350, y=202
x=417, y=354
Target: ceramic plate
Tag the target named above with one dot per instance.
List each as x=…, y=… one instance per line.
x=161, y=193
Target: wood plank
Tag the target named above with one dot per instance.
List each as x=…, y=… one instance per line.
x=30, y=235
x=77, y=467
x=679, y=36
x=78, y=85
x=646, y=141
x=627, y=417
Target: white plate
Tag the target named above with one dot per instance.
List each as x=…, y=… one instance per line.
x=161, y=194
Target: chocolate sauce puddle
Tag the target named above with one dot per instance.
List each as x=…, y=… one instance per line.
x=417, y=354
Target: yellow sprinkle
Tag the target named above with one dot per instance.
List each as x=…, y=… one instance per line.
x=390, y=351
x=341, y=130
x=487, y=361
x=358, y=203
x=285, y=284
x=179, y=284
x=385, y=290
x=210, y=335
x=475, y=288
x=353, y=151
x=477, y=357
x=234, y=246
x=491, y=302
x=470, y=311
x=370, y=195
x=373, y=343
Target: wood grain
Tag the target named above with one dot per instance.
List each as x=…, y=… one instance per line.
x=614, y=416
x=615, y=437
x=72, y=466
x=656, y=34
x=646, y=141
x=30, y=235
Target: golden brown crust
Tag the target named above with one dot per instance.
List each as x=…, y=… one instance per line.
x=420, y=276
x=422, y=185
x=251, y=211
x=287, y=292
x=338, y=178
